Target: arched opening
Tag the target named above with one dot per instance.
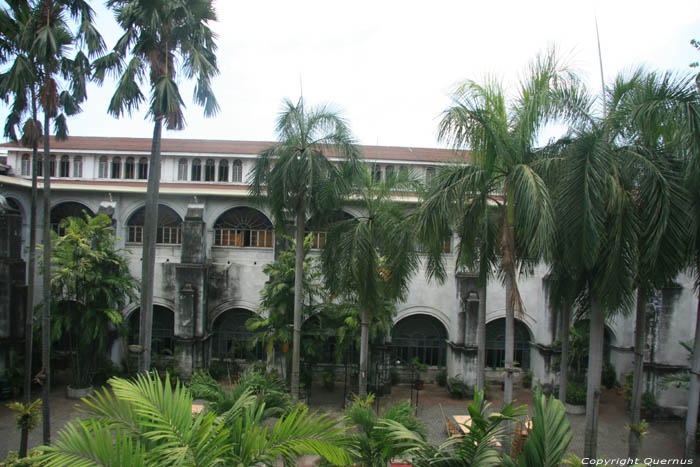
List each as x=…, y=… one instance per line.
x=116, y=167
x=168, y=230
x=231, y=339
x=237, y=171
x=223, y=170
x=143, y=169
x=496, y=344
x=102, y=167
x=64, y=167
x=243, y=227
x=163, y=333
x=182, y=170
x=68, y=209
x=319, y=227
x=77, y=166
x=209, y=170
x=129, y=168
x=196, y=170
x=420, y=336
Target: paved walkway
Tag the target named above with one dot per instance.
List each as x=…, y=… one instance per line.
x=664, y=440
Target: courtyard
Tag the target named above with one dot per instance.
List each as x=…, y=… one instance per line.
x=664, y=440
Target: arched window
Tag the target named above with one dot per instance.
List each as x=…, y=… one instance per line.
x=163, y=331
x=182, y=169
x=117, y=167
x=422, y=337
x=377, y=173
x=52, y=166
x=64, y=210
x=130, y=168
x=237, y=171
x=167, y=233
x=223, y=170
x=102, y=168
x=209, y=170
x=143, y=169
x=64, y=167
x=231, y=337
x=496, y=344
x=40, y=166
x=196, y=170
x=243, y=227
x=26, y=165
x=77, y=167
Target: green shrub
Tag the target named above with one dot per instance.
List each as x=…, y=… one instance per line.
x=609, y=376
x=649, y=403
x=441, y=377
x=527, y=379
x=13, y=460
x=328, y=376
x=576, y=393
x=458, y=388
x=220, y=369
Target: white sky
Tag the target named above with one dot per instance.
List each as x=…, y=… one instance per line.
x=389, y=65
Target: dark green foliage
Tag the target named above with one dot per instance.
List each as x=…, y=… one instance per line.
x=441, y=377
x=458, y=388
x=576, y=392
x=91, y=284
x=527, y=379
x=224, y=369
x=649, y=404
x=609, y=376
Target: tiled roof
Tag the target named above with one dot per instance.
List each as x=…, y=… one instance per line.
x=209, y=146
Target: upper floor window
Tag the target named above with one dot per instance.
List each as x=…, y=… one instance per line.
x=182, y=169
x=40, y=166
x=209, y=170
x=117, y=167
x=52, y=166
x=26, y=165
x=223, y=170
x=168, y=230
x=102, y=167
x=143, y=168
x=77, y=167
x=429, y=174
x=244, y=227
x=376, y=173
x=196, y=170
x=129, y=168
x=64, y=167
x=237, y=171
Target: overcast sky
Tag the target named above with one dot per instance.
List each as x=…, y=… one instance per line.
x=389, y=65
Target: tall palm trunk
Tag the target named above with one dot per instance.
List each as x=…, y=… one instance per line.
x=510, y=343
x=148, y=263
x=31, y=273
x=298, y=284
x=691, y=420
x=364, y=352
x=639, y=338
x=564, y=367
x=46, y=315
x=481, y=340
x=595, y=368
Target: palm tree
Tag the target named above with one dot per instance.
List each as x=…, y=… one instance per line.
x=478, y=226
x=52, y=40
x=147, y=422
x=161, y=38
x=370, y=259
x=20, y=83
x=654, y=138
x=506, y=168
x=297, y=178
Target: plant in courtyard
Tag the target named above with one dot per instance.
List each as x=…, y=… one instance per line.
x=27, y=417
x=372, y=444
x=161, y=39
x=296, y=178
x=506, y=172
x=369, y=260
x=148, y=422
x=91, y=284
x=479, y=446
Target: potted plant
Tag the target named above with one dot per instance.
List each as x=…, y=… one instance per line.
x=575, y=398
x=418, y=367
x=441, y=377
x=457, y=388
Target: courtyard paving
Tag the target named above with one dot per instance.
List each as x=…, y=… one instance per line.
x=664, y=440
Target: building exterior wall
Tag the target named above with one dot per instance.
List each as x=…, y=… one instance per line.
x=199, y=291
